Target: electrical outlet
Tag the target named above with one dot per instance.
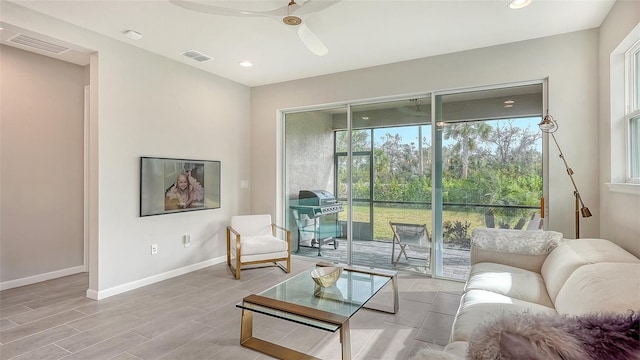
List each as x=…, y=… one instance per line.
x=186, y=240
x=154, y=249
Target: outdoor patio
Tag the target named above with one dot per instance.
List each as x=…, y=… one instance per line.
x=378, y=254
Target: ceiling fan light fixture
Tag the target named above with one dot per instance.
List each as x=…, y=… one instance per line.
x=519, y=4
x=292, y=20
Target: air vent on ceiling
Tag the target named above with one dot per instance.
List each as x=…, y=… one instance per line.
x=197, y=56
x=38, y=44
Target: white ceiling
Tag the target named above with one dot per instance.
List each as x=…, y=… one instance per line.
x=358, y=33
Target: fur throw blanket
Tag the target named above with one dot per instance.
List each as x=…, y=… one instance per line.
x=524, y=336
x=537, y=337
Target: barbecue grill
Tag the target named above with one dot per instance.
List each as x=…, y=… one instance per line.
x=316, y=215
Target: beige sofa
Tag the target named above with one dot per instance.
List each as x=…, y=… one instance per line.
x=560, y=276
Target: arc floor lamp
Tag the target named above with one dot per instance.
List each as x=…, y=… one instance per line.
x=550, y=126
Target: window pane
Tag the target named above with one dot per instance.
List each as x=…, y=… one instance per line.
x=634, y=147
x=636, y=81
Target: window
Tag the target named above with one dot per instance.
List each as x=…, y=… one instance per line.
x=632, y=112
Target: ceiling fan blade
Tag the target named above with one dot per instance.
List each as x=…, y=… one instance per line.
x=313, y=6
x=311, y=41
x=216, y=10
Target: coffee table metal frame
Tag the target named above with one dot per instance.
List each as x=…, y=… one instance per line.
x=307, y=315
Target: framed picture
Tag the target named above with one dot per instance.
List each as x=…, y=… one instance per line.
x=176, y=185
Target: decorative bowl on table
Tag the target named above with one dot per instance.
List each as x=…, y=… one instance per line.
x=326, y=276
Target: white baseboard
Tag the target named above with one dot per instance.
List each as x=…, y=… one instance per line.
x=103, y=294
x=41, y=277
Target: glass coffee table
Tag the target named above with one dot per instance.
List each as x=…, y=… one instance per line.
x=300, y=300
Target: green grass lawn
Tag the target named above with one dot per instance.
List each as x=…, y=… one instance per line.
x=383, y=215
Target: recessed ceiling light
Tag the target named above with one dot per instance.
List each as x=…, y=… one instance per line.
x=133, y=35
x=519, y=4
x=365, y=118
x=245, y=63
x=508, y=106
x=509, y=101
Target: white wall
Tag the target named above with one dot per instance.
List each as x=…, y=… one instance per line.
x=620, y=220
x=146, y=105
x=569, y=61
x=42, y=167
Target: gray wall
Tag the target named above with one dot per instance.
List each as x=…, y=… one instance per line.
x=42, y=124
x=146, y=105
x=620, y=212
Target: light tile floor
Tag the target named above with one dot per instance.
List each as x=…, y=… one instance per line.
x=193, y=316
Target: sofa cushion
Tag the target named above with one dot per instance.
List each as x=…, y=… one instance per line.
x=477, y=306
x=509, y=281
x=572, y=254
x=601, y=287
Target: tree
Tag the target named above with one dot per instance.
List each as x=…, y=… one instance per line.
x=467, y=136
x=401, y=158
x=514, y=144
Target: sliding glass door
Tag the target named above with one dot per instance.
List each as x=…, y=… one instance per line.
x=488, y=173
x=353, y=172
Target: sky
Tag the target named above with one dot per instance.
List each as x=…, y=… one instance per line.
x=410, y=133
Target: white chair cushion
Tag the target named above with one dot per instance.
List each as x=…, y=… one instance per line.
x=252, y=225
x=260, y=245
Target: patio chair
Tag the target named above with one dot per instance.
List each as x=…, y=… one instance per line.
x=251, y=240
x=414, y=236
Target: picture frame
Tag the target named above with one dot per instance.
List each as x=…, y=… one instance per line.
x=169, y=185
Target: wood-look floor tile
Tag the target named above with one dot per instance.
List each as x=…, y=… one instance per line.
x=445, y=303
x=6, y=324
x=109, y=348
x=49, y=352
x=389, y=342
x=117, y=325
x=61, y=295
x=19, y=299
x=101, y=318
x=410, y=313
x=194, y=350
x=13, y=310
x=125, y=356
x=36, y=341
x=169, y=341
x=194, y=316
x=48, y=310
x=21, y=331
x=168, y=322
x=436, y=328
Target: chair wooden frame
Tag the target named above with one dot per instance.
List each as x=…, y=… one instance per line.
x=237, y=266
x=422, y=228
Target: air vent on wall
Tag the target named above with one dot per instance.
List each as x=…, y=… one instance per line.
x=196, y=55
x=38, y=44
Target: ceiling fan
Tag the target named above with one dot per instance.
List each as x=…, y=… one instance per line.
x=291, y=15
